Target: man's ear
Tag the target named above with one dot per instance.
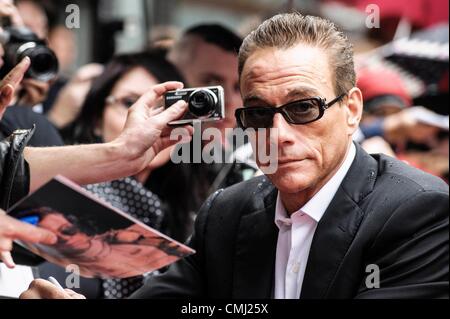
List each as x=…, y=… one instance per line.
x=354, y=109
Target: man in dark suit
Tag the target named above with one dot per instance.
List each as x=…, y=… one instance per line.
x=331, y=221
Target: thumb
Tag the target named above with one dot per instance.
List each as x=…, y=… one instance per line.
x=156, y=92
x=15, y=76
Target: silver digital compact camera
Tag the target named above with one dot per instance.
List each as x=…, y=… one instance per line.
x=205, y=104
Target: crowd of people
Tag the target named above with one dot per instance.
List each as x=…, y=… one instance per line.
x=103, y=128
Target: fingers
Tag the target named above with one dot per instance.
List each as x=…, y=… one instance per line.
x=36, y=235
x=150, y=98
x=7, y=259
x=187, y=130
x=154, y=112
x=44, y=289
x=7, y=9
x=6, y=95
x=73, y=294
x=15, y=76
x=170, y=114
x=16, y=230
x=161, y=89
x=183, y=134
x=9, y=84
x=167, y=142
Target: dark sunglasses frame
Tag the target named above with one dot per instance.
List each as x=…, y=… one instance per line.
x=321, y=102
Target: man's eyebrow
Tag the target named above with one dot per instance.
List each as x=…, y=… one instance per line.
x=297, y=92
x=255, y=99
x=303, y=92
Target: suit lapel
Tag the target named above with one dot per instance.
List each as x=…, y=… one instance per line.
x=255, y=252
x=338, y=226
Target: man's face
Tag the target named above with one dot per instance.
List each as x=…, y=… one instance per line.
x=210, y=66
x=308, y=155
x=68, y=234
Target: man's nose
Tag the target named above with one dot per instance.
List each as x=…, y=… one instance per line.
x=284, y=129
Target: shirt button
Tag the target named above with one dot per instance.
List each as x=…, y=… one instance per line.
x=296, y=268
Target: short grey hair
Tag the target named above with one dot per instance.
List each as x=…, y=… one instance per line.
x=284, y=31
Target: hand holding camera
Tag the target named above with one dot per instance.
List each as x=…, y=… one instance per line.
x=146, y=132
x=20, y=42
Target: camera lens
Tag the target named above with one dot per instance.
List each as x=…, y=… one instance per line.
x=44, y=64
x=202, y=102
x=21, y=42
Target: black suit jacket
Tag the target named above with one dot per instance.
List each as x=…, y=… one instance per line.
x=385, y=213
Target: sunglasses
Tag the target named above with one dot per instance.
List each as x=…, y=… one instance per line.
x=299, y=112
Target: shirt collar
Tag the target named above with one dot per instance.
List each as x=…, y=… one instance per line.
x=317, y=205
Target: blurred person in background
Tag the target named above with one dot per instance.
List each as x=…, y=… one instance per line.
x=37, y=16
x=29, y=92
x=384, y=95
x=206, y=55
x=34, y=17
x=163, y=37
x=391, y=125
x=64, y=43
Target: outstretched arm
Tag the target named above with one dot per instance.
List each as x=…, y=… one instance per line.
x=145, y=134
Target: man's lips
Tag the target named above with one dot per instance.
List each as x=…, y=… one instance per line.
x=289, y=161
